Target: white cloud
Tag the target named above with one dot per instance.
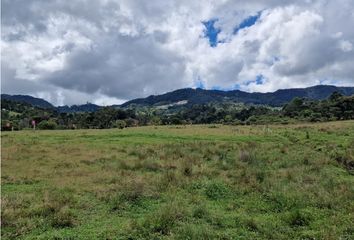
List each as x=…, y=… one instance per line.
x=107, y=51
x=346, y=46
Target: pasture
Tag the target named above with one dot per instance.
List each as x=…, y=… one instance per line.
x=180, y=182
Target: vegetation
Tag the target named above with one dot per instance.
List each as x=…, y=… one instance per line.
x=180, y=182
x=275, y=99
x=18, y=115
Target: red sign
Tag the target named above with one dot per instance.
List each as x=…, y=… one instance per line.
x=33, y=122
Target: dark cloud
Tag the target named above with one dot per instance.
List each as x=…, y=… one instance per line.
x=121, y=66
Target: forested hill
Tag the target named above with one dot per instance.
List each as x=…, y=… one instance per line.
x=17, y=116
x=36, y=102
x=189, y=97
x=277, y=98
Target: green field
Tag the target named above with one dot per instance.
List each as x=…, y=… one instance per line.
x=180, y=182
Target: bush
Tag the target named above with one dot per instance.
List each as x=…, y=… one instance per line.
x=344, y=157
x=164, y=219
x=187, y=168
x=120, y=124
x=130, y=195
x=195, y=231
x=47, y=125
x=298, y=218
x=200, y=211
x=217, y=190
x=65, y=217
x=251, y=120
x=247, y=156
x=57, y=208
x=131, y=122
x=160, y=222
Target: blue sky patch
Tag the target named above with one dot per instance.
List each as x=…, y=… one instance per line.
x=216, y=88
x=259, y=79
x=234, y=87
x=199, y=83
x=211, y=32
x=248, y=22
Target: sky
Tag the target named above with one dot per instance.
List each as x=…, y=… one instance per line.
x=110, y=51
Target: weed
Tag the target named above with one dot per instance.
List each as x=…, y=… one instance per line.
x=161, y=222
x=217, y=190
x=298, y=218
x=345, y=158
x=132, y=194
x=252, y=225
x=195, y=232
x=200, y=211
x=247, y=156
x=65, y=217
x=187, y=168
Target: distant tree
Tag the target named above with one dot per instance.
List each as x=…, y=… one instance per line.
x=120, y=124
x=228, y=118
x=131, y=122
x=335, y=96
x=294, y=108
x=48, y=125
x=155, y=120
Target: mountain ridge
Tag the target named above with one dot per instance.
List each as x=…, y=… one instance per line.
x=277, y=98
x=34, y=101
x=192, y=96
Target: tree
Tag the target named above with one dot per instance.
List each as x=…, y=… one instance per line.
x=228, y=118
x=335, y=96
x=49, y=125
x=294, y=108
x=120, y=124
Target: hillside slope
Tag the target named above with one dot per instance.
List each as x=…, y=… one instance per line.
x=277, y=98
x=36, y=102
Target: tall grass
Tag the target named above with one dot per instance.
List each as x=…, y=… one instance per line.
x=195, y=182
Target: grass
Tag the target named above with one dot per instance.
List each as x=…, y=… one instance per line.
x=180, y=182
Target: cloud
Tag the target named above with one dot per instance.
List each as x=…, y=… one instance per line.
x=105, y=51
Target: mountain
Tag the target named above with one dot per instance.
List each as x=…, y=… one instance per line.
x=37, y=102
x=189, y=96
x=277, y=98
x=88, y=107
x=41, y=103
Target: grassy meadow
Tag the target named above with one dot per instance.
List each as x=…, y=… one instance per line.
x=180, y=182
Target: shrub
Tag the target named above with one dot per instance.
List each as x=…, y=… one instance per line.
x=195, y=232
x=247, y=156
x=344, y=158
x=164, y=220
x=131, y=195
x=57, y=208
x=187, y=168
x=47, y=125
x=65, y=217
x=169, y=179
x=160, y=222
x=200, y=211
x=217, y=190
x=251, y=225
x=120, y=124
x=298, y=218
x=10, y=209
x=307, y=135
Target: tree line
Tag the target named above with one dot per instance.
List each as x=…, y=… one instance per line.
x=18, y=116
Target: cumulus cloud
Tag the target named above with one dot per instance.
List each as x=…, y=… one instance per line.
x=107, y=51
